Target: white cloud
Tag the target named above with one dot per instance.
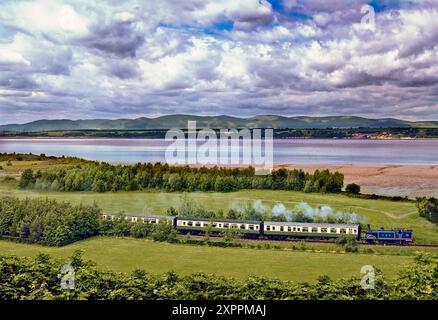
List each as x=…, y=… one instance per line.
x=145, y=58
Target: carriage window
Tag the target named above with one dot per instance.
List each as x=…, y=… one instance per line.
x=281, y=228
x=184, y=223
x=190, y=223
x=198, y=224
x=324, y=230
x=305, y=229
x=354, y=230
x=242, y=226
x=268, y=228
x=251, y=227
x=289, y=229
x=343, y=230
x=314, y=229
x=226, y=225
x=333, y=230
x=214, y=224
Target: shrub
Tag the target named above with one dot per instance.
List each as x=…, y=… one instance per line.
x=140, y=230
x=353, y=188
x=27, y=179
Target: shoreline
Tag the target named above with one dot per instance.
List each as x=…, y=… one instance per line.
x=391, y=180
x=151, y=138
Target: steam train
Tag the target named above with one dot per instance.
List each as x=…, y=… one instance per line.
x=394, y=236
x=273, y=229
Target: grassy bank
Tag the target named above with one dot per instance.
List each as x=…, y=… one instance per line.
x=124, y=254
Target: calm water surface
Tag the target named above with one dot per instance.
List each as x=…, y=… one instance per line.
x=305, y=151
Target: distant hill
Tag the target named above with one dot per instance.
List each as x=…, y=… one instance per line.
x=180, y=121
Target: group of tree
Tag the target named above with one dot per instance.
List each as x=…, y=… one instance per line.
x=47, y=221
x=19, y=276
x=121, y=227
x=54, y=223
x=428, y=208
x=102, y=177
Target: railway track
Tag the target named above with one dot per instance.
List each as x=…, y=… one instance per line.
x=360, y=243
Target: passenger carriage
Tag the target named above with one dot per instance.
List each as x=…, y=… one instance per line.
x=216, y=225
x=310, y=230
x=144, y=218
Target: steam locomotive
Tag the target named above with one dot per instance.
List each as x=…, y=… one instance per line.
x=273, y=229
x=394, y=236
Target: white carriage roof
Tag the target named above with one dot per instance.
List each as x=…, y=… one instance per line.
x=219, y=220
x=130, y=215
x=309, y=224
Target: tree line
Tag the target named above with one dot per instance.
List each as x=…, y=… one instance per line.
x=41, y=157
x=18, y=276
x=428, y=208
x=103, y=177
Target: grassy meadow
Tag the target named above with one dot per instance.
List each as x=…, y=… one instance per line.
x=127, y=254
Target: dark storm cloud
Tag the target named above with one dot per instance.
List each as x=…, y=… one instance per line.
x=119, y=38
x=123, y=70
x=18, y=82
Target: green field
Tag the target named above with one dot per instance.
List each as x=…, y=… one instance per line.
x=125, y=254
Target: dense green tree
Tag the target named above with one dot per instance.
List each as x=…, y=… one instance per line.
x=47, y=221
x=352, y=188
x=428, y=208
x=27, y=179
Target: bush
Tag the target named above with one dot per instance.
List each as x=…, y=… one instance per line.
x=27, y=179
x=353, y=188
x=164, y=231
x=428, y=208
x=141, y=230
x=349, y=244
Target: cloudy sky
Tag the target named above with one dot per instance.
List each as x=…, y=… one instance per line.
x=82, y=59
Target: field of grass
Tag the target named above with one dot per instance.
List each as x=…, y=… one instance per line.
x=125, y=254
x=376, y=212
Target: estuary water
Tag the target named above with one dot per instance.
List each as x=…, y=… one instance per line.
x=287, y=151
